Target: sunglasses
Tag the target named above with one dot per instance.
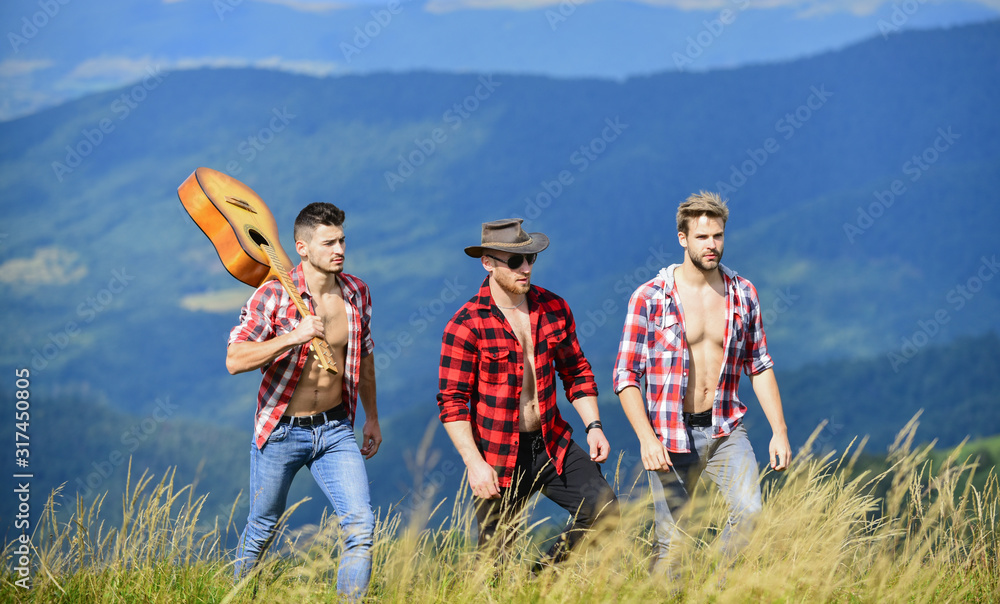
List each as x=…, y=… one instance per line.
x=515, y=261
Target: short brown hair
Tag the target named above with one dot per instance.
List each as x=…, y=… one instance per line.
x=313, y=215
x=703, y=203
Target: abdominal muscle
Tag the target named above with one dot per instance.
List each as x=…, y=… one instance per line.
x=319, y=390
x=703, y=377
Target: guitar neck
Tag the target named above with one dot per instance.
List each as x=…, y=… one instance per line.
x=320, y=347
x=285, y=279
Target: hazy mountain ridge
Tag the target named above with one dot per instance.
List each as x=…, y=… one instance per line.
x=493, y=145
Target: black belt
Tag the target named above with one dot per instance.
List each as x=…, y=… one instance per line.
x=699, y=420
x=308, y=421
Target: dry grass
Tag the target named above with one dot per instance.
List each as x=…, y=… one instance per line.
x=828, y=533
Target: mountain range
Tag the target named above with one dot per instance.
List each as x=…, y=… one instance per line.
x=862, y=185
x=58, y=51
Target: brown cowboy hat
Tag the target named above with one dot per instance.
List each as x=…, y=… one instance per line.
x=507, y=236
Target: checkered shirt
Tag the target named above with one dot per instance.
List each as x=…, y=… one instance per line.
x=482, y=369
x=653, y=346
x=269, y=313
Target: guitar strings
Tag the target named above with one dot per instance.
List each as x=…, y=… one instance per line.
x=320, y=348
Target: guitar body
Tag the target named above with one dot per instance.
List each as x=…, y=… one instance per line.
x=237, y=222
x=244, y=233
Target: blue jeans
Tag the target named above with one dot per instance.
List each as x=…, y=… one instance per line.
x=331, y=453
x=730, y=463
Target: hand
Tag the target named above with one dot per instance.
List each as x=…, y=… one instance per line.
x=654, y=455
x=780, y=450
x=308, y=328
x=372, y=435
x=483, y=481
x=599, y=447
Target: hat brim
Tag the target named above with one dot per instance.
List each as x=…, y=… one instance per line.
x=538, y=243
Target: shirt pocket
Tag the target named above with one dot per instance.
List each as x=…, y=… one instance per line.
x=739, y=325
x=669, y=335
x=494, y=366
x=284, y=323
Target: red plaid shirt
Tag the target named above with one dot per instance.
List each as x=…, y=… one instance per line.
x=653, y=346
x=270, y=312
x=482, y=369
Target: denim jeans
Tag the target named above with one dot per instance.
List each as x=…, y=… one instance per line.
x=331, y=453
x=730, y=463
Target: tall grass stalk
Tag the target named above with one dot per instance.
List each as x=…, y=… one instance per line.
x=830, y=532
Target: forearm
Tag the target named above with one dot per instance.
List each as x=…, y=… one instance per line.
x=366, y=387
x=247, y=356
x=765, y=386
x=635, y=411
x=460, y=433
x=586, y=406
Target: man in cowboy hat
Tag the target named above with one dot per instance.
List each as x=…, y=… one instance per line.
x=499, y=357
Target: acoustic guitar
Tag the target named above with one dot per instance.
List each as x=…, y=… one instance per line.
x=245, y=235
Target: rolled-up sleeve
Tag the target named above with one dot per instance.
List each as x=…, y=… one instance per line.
x=757, y=359
x=456, y=372
x=367, y=344
x=255, y=318
x=574, y=370
x=630, y=364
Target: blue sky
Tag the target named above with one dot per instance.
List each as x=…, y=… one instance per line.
x=57, y=50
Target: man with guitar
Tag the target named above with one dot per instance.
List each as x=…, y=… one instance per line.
x=305, y=414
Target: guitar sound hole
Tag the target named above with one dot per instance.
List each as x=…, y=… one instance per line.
x=257, y=237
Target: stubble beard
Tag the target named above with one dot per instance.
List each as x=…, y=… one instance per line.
x=331, y=269
x=510, y=285
x=706, y=267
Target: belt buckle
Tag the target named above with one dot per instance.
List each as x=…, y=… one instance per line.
x=306, y=421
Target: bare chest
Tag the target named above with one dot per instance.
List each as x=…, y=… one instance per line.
x=520, y=323
x=331, y=309
x=704, y=312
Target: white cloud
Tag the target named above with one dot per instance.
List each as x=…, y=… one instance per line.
x=49, y=266
x=120, y=70
x=304, y=6
x=112, y=68
x=309, y=7
x=806, y=8
x=12, y=68
x=222, y=301
x=304, y=67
